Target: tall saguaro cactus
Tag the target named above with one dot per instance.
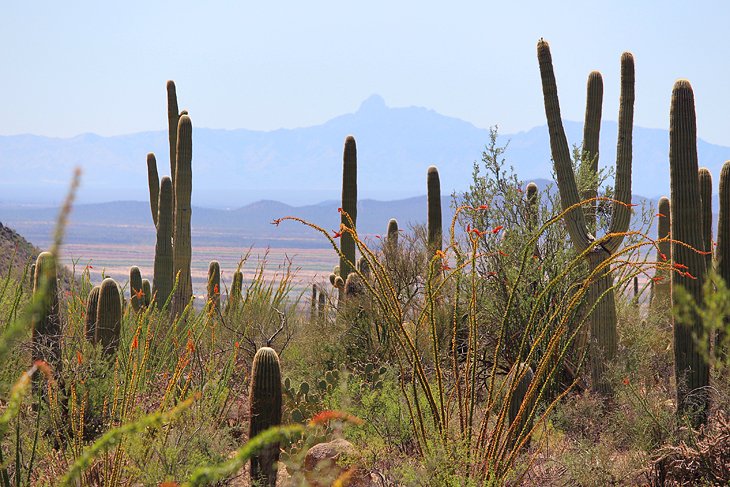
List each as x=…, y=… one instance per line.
x=591, y=137
x=722, y=253
x=163, y=278
x=661, y=288
x=153, y=181
x=705, y=178
x=265, y=412
x=92, y=303
x=690, y=367
x=173, y=118
x=602, y=319
x=108, y=316
x=136, y=290
x=183, y=189
x=46, y=325
x=214, y=285
x=433, y=185
x=349, y=204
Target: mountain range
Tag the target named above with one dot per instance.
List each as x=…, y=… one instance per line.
x=303, y=166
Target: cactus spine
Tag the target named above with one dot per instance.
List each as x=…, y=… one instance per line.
x=349, y=204
x=163, y=278
x=214, y=285
x=92, y=303
x=136, y=291
x=691, y=370
x=265, y=412
x=722, y=253
x=108, y=316
x=153, y=181
x=47, y=324
x=181, y=236
x=433, y=185
x=705, y=178
x=602, y=320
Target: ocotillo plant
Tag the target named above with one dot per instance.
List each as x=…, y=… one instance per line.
x=136, y=291
x=349, y=204
x=265, y=412
x=214, y=285
x=181, y=249
x=660, y=296
x=173, y=118
x=153, y=181
x=108, y=316
x=92, y=303
x=722, y=254
x=602, y=320
x=47, y=325
x=435, y=230
x=705, y=178
x=163, y=278
x=691, y=369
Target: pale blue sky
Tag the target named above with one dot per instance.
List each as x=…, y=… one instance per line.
x=93, y=66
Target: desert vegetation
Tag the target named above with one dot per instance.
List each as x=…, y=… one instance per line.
x=559, y=335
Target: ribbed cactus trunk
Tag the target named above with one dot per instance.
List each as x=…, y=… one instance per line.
x=591, y=138
x=182, y=250
x=92, y=303
x=147, y=289
x=691, y=370
x=349, y=204
x=163, y=278
x=722, y=253
x=108, y=316
x=662, y=280
x=602, y=320
x=520, y=406
x=214, y=285
x=435, y=231
x=705, y=178
x=136, y=289
x=313, y=305
x=234, y=294
x=321, y=307
x=153, y=181
x=265, y=412
x=173, y=119
x=392, y=233
x=46, y=325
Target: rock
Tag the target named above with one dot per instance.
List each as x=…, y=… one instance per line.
x=325, y=462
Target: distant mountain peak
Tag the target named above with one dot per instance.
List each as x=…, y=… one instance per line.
x=373, y=103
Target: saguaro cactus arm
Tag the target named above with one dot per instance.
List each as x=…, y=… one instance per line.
x=591, y=138
x=153, y=181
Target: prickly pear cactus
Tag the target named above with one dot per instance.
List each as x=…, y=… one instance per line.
x=265, y=412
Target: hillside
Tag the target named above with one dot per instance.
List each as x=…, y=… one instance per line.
x=15, y=252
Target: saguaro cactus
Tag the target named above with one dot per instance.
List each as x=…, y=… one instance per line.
x=349, y=204
x=591, y=137
x=92, y=303
x=181, y=237
x=705, y=178
x=153, y=181
x=313, y=304
x=214, y=285
x=433, y=185
x=722, y=254
x=172, y=121
x=47, y=324
x=691, y=369
x=602, y=320
x=163, y=278
x=392, y=233
x=265, y=412
x=517, y=403
x=108, y=316
x=147, y=288
x=136, y=291
x=660, y=296
x=234, y=294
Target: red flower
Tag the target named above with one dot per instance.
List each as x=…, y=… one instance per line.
x=662, y=215
x=79, y=358
x=483, y=207
x=215, y=289
x=339, y=210
x=276, y=222
x=336, y=234
x=326, y=416
x=663, y=257
x=626, y=381
x=135, y=343
x=378, y=236
x=503, y=254
x=497, y=229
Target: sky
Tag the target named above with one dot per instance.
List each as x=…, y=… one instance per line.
x=89, y=66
